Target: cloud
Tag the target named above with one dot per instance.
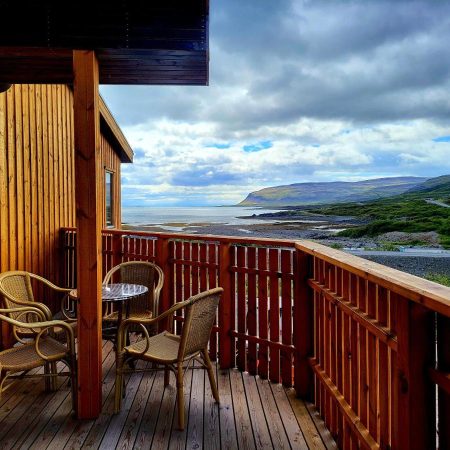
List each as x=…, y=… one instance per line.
x=299, y=91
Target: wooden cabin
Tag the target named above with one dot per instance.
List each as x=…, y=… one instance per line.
x=37, y=189
x=314, y=348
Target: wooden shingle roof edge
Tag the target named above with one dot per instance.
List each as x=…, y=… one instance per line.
x=111, y=130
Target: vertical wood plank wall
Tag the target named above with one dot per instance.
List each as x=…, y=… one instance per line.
x=111, y=163
x=36, y=176
x=37, y=192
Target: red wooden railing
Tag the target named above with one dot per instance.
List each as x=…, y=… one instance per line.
x=368, y=345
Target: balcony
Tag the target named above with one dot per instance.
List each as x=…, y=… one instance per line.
x=368, y=346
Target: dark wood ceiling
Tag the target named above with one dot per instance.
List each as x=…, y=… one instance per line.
x=136, y=41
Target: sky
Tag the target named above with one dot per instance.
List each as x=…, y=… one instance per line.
x=299, y=91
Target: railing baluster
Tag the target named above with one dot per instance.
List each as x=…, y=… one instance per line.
x=251, y=316
x=303, y=326
x=225, y=307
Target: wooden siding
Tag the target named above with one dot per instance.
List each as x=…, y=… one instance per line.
x=37, y=195
x=36, y=176
x=110, y=163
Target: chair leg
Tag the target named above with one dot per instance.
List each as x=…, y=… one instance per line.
x=180, y=396
x=166, y=376
x=119, y=385
x=54, y=377
x=47, y=371
x=212, y=380
x=74, y=385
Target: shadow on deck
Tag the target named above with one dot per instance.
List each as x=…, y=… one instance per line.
x=253, y=413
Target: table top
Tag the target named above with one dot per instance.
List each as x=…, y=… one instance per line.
x=117, y=292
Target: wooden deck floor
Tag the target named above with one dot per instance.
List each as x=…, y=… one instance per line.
x=253, y=414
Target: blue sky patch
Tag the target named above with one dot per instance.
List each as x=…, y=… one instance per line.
x=219, y=146
x=442, y=139
x=262, y=145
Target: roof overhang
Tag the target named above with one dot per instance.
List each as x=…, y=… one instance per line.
x=111, y=130
x=136, y=42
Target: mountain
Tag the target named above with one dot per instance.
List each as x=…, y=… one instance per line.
x=332, y=192
x=436, y=186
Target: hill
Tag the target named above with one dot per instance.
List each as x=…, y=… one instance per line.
x=420, y=209
x=331, y=192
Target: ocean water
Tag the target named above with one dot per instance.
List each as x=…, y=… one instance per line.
x=162, y=216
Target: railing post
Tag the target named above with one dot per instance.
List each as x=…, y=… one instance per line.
x=443, y=324
x=225, y=306
x=414, y=424
x=117, y=252
x=303, y=325
x=162, y=259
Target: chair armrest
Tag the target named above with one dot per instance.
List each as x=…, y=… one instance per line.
x=50, y=284
x=41, y=306
x=22, y=310
x=41, y=326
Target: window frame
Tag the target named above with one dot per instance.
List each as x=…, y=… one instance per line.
x=111, y=174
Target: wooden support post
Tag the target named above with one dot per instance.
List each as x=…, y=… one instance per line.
x=414, y=424
x=225, y=306
x=89, y=260
x=303, y=323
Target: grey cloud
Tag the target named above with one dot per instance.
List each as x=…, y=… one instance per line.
x=357, y=60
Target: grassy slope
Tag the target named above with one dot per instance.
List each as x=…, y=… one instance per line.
x=406, y=212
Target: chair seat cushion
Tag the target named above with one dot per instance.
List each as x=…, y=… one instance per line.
x=163, y=348
x=25, y=357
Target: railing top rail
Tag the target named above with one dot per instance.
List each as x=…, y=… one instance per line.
x=432, y=295
x=201, y=237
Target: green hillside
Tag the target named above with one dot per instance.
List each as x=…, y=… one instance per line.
x=409, y=212
x=331, y=192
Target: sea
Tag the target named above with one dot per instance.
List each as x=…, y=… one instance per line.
x=176, y=218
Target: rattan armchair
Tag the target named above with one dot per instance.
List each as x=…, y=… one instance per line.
x=172, y=352
x=17, y=291
x=137, y=272
x=41, y=349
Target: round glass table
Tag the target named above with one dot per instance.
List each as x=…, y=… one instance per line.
x=120, y=294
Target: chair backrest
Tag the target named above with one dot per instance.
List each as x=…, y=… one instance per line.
x=15, y=287
x=140, y=272
x=199, y=320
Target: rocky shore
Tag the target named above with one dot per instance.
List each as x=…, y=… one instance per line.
x=324, y=229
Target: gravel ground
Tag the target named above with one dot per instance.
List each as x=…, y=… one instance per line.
x=416, y=265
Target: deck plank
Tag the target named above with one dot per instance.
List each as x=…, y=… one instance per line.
x=211, y=416
x=228, y=437
x=253, y=413
x=151, y=414
x=135, y=415
x=242, y=418
x=276, y=429
x=256, y=411
x=195, y=423
x=178, y=439
x=72, y=428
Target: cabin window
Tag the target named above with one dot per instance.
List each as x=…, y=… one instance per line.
x=109, y=198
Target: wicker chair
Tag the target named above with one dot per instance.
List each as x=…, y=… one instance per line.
x=43, y=350
x=171, y=351
x=138, y=272
x=17, y=291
